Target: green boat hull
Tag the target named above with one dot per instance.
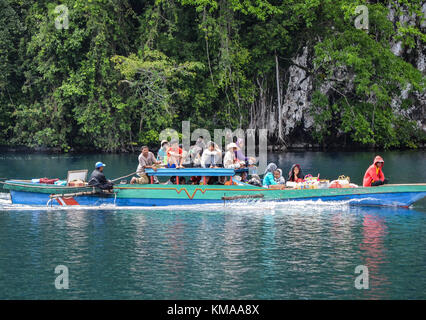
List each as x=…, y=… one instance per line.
x=163, y=195
x=392, y=195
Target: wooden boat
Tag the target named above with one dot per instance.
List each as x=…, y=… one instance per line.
x=28, y=193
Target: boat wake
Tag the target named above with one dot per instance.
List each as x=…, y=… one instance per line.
x=245, y=206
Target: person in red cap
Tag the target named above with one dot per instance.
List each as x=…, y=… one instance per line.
x=374, y=175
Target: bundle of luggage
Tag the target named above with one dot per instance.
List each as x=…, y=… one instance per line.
x=343, y=182
x=45, y=180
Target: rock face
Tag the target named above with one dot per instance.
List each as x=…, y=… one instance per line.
x=418, y=58
x=295, y=102
x=298, y=95
x=297, y=91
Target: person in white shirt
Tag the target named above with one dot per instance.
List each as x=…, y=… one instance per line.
x=230, y=161
x=211, y=156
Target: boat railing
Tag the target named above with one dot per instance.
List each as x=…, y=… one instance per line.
x=191, y=172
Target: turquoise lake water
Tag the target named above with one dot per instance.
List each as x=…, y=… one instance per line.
x=301, y=250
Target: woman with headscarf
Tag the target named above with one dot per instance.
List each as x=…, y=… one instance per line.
x=295, y=174
x=268, y=179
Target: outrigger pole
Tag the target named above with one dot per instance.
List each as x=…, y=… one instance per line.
x=126, y=176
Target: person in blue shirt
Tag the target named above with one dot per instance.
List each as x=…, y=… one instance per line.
x=269, y=179
x=162, y=153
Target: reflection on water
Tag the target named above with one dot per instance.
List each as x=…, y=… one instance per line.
x=251, y=250
x=372, y=247
x=278, y=251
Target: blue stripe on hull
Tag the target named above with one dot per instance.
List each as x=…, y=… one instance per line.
x=42, y=199
x=127, y=202
x=403, y=199
x=380, y=199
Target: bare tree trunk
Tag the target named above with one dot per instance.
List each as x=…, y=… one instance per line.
x=280, y=131
x=207, y=48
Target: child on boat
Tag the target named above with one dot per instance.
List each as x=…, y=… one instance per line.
x=278, y=176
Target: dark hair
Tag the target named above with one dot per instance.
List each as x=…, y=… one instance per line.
x=164, y=143
x=291, y=173
x=181, y=180
x=213, y=180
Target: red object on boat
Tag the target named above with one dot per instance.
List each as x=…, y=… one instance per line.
x=48, y=181
x=335, y=185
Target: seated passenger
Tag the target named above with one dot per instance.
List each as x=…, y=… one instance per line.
x=249, y=161
x=162, y=153
x=230, y=182
x=244, y=177
x=200, y=143
x=146, y=160
x=211, y=156
x=98, y=179
x=193, y=157
x=230, y=161
x=172, y=180
x=374, y=175
x=255, y=180
x=175, y=155
x=268, y=179
x=295, y=174
x=241, y=178
x=206, y=180
x=195, y=180
x=278, y=176
x=220, y=181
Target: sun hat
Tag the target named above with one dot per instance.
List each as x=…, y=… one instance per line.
x=231, y=145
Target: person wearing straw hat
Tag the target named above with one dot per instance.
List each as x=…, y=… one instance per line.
x=230, y=161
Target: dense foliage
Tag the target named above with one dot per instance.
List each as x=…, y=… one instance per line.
x=123, y=70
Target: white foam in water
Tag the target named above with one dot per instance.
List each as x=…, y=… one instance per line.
x=234, y=206
x=4, y=198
